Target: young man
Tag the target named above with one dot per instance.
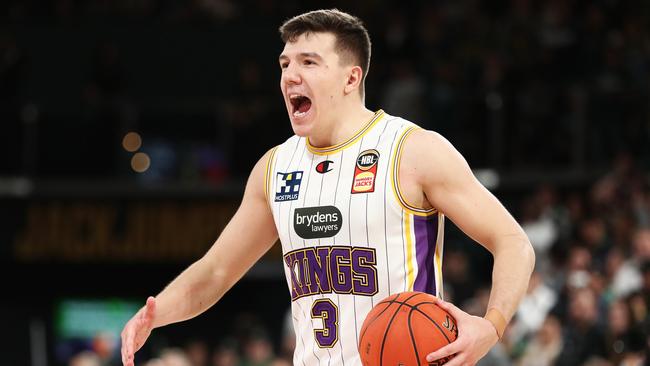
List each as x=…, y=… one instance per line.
x=358, y=200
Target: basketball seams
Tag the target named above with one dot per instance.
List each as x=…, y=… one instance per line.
x=388, y=325
x=383, y=341
x=415, y=346
x=365, y=327
x=414, y=307
x=394, y=299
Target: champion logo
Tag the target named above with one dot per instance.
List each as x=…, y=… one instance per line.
x=324, y=166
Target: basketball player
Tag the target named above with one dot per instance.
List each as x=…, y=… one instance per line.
x=358, y=199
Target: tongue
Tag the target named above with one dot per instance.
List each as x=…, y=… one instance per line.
x=304, y=106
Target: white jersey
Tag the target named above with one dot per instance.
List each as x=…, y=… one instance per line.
x=349, y=239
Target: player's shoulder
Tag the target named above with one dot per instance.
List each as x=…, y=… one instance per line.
x=415, y=136
x=425, y=146
x=423, y=138
x=402, y=122
x=398, y=122
x=412, y=140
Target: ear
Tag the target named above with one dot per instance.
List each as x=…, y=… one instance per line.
x=355, y=75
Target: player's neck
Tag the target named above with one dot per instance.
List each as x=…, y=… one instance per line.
x=341, y=126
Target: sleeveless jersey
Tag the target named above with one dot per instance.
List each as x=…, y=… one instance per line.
x=349, y=239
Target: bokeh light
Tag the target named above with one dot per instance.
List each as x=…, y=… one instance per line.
x=140, y=162
x=132, y=142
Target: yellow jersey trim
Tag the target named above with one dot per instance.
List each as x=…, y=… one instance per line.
x=336, y=148
x=438, y=256
x=410, y=275
x=267, y=174
x=395, y=164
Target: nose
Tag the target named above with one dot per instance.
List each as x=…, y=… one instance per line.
x=290, y=75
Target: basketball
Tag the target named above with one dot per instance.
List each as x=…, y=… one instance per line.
x=403, y=329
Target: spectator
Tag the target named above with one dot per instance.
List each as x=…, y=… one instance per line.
x=280, y=362
x=534, y=308
x=258, y=350
x=459, y=276
x=625, y=278
x=197, y=352
x=174, y=357
x=619, y=333
x=288, y=337
x=85, y=358
x=582, y=340
x=545, y=346
x=226, y=354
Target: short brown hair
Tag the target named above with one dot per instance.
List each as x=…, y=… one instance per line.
x=352, y=39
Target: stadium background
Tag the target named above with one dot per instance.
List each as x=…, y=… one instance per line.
x=548, y=101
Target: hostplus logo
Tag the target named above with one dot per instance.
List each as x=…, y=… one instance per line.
x=288, y=186
x=317, y=222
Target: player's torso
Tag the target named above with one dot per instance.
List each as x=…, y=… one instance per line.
x=347, y=239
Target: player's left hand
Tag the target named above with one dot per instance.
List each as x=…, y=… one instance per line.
x=476, y=336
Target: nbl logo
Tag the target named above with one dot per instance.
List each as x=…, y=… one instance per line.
x=365, y=172
x=367, y=160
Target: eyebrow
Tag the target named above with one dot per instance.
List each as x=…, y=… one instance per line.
x=302, y=54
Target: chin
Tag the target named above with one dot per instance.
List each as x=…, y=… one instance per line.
x=302, y=126
x=300, y=130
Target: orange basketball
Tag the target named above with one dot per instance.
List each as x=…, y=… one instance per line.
x=403, y=329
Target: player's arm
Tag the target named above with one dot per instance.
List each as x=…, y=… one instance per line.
x=250, y=233
x=448, y=184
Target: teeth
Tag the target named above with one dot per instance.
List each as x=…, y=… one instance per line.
x=297, y=113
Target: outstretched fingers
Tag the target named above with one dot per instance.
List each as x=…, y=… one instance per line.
x=136, y=331
x=127, y=345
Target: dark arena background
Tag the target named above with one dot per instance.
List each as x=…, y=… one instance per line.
x=128, y=128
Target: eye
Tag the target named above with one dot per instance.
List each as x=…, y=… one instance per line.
x=284, y=65
x=309, y=62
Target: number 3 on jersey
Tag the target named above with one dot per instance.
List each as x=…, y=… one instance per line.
x=325, y=309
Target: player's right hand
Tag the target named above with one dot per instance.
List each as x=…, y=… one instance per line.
x=476, y=336
x=137, y=330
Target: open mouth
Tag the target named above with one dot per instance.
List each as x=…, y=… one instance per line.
x=301, y=104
